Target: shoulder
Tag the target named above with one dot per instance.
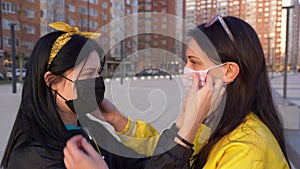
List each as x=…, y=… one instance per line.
x=252, y=133
x=35, y=156
x=251, y=143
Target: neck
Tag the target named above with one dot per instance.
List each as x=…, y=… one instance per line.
x=68, y=118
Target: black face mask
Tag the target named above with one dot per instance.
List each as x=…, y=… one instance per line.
x=90, y=93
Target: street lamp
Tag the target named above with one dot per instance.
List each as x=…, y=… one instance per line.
x=13, y=53
x=269, y=53
x=1, y=32
x=286, y=48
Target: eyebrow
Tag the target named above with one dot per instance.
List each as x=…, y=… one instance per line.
x=88, y=70
x=193, y=57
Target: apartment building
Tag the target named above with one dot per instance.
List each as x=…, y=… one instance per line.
x=263, y=15
x=25, y=15
x=33, y=16
x=158, y=46
x=293, y=32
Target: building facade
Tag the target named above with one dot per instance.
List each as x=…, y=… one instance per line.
x=25, y=15
x=293, y=32
x=263, y=15
x=32, y=17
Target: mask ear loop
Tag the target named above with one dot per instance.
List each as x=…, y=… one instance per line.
x=56, y=93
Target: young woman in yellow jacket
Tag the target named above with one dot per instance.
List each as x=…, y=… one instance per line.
x=249, y=133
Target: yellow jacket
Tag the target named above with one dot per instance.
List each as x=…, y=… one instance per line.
x=251, y=145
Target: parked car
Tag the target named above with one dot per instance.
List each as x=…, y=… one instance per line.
x=18, y=72
x=153, y=72
x=1, y=76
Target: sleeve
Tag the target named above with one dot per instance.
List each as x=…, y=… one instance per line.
x=174, y=155
x=140, y=136
x=171, y=155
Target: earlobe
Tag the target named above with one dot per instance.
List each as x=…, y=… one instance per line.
x=232, y=70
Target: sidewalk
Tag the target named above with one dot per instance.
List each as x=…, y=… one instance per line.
x=291, y=110
x=9, y=104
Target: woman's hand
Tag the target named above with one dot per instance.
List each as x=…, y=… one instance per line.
x=181, y=115
x=80, y=154
x=199, y=104
x=108, y=112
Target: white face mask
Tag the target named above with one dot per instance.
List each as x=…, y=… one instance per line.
x=187, y=78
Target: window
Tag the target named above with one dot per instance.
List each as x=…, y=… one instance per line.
x=28, y=44
x=93, y=25
x=93, y=12
x=82, y=10
x=6, y=41
x=83, y=23
x=135, y=2
x=6, y=24
x=104, y=16
x=30, y=0
x=71, y=8
x=128, y=12
x=93, y=1
x=128, y=2
x=163, y=2
x=59, y=17
x=163, y=10
x=29, y=13
x=42, y=13
x=9, y=7
x=104, y=5
x=128, y=44
x=29, y=29
x=71, y=22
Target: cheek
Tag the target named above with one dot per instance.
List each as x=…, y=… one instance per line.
x=70, y=91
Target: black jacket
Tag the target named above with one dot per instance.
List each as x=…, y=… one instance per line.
x=36, y=156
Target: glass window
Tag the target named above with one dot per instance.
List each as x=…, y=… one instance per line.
x=71, y=8
x=83, y=10
x=93, y=12
x=71, y=22
x=6, y=24
x=29, y=13
x=9, y=7
x=29, y=29
x=128, y=12
x=104, y=5
x=93, y=25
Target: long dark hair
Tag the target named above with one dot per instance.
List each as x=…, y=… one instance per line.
x=37, y=118
x=250, y=91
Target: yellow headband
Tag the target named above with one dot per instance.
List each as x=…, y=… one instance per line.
x=64, y=38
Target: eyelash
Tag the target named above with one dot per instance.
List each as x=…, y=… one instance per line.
x=193, y=62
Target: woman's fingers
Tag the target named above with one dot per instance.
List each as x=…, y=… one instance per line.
x=195, y=82
x=73, y=149
x=89, y=149
x=67, y=158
